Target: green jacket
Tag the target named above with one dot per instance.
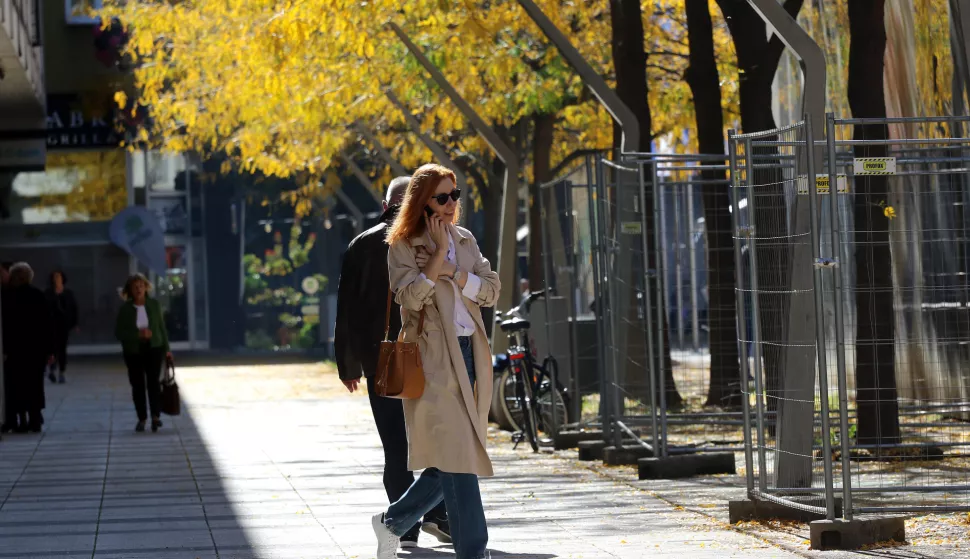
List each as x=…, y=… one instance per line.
x=127, y=332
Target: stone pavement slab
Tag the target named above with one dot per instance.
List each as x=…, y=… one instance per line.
x=280, y=462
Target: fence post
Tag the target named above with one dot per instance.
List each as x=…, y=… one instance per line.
x=739, y=301
x=652, y=369
x=820, y=322
x=598, y=305
x=692, y=253
x=755, y=321
x=836, y=234
x=554, y=377
x=658, y=220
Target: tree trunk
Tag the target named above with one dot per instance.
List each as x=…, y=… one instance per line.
x=758, y=57
x=541, y=165
x=704, y=81
x=630, y=63
x=878, y=409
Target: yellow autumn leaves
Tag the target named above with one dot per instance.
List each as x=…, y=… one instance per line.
x=275, y=84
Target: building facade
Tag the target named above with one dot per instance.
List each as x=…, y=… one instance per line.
x=60, y=200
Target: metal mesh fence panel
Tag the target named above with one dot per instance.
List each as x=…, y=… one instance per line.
x=788, y=445
x=903, y=236
x=570, y=325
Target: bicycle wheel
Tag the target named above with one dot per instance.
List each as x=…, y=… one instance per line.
x=530, y=419
x=547, y=400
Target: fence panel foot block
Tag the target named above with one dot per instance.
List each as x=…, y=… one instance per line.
x=753, y=509
x=591, y=450
x=686, y=465
x=626, y=455
x=564, y=440
x=856, y=533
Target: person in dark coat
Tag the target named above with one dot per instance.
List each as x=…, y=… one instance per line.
x=361, y=310
x=63, y=307
x=28, y=349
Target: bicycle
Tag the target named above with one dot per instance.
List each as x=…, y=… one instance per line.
x=531, y=405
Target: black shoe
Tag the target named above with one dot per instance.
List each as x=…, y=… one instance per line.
x=140, y=427
x=156, y=424
x=52, y=377
x=34, y=427
x=437, y=527
x=409, y=541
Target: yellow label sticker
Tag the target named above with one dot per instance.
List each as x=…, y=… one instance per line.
x=874, y=165
x=631, y=227
x=822, y=184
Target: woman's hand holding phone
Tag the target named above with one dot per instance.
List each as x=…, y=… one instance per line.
x=438, y=232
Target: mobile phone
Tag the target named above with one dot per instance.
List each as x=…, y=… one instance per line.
x=429, y=211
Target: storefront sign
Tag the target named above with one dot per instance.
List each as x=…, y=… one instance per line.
x=76, y=122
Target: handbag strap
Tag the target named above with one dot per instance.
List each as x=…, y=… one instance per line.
x=387, y=318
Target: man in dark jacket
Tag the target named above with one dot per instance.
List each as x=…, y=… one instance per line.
x=28, y=348
x=361, y=310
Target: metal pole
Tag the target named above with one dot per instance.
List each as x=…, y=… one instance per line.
x=811, y=59
x=755, y=322
x=366, y=133
x=598, y=305
x=692, y=252
x=658, y=219
x=739, y=302
x=595, y=82
x=839, y=324
x=577, y=399
x=510, y=184
x=554, y=389
x=436, y=149
x=663, y=255
x=609, y=265
x=823, y=383
x=678, y=269
x=362, y=177
x=647, y=307
x=353, y=209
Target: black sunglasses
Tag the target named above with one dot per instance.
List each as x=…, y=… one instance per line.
x=442, y=199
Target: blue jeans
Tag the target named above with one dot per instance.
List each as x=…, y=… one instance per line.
x=466, y=515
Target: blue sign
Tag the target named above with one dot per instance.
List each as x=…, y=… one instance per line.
x=136, y=231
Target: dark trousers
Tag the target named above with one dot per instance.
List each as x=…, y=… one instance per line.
x=60, y=349
x=144, y=370
x=389, y=418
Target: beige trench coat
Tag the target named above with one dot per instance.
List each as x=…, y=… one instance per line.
x=446, y=427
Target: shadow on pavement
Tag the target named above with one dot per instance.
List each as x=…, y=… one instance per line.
x=89, y=486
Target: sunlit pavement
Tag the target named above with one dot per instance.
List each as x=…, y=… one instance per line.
x=279, y=461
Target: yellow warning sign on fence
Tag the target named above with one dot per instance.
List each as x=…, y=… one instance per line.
x=874, y=165
x=631, y=227
x=822, y=184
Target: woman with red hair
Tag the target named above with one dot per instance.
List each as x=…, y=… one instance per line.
x=437, y=267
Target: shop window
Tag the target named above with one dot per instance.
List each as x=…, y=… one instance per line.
x=76, y=186
x=79, y=12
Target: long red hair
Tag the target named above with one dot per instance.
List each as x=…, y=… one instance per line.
x=409, y=222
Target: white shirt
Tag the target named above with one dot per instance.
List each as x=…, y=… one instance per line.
x=464, y=323
x=141, y=319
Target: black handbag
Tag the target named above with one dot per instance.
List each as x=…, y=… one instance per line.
x=171, y=401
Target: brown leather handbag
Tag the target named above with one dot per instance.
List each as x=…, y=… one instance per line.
x=400, y=373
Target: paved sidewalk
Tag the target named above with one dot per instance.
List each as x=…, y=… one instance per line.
x=280, y=462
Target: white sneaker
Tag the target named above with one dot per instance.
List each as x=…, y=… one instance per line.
x=387, y=542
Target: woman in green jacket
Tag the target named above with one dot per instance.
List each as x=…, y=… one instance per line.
x=144, y=340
